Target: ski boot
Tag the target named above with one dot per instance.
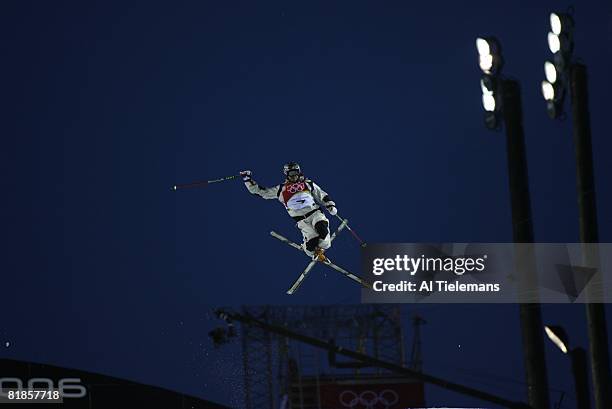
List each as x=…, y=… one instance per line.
x=319, y=254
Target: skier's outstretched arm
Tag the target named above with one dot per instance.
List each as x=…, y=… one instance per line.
x=323, y=198
x=256, y=189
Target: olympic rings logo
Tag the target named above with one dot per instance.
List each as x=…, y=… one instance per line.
x=369, y=399
x=295, y=187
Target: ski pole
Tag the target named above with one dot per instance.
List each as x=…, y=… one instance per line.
x=363, y=243
x=202, y=183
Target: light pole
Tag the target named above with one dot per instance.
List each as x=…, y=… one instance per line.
x=579, y=364
x=502, y=101
x=573, y=77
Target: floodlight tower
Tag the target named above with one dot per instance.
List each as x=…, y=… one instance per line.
x=563, y=75
x=502, y=101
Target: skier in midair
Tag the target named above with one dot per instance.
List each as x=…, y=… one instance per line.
x=303, y=200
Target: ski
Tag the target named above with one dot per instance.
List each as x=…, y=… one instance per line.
x=297, y=283
x=347, y=274
x=312, y=263
x=286, y=241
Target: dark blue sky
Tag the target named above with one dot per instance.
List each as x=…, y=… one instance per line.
x=106, y=105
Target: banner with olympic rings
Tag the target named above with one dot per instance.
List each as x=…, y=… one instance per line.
x=360, y=395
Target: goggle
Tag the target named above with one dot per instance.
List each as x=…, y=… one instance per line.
x=293, y=172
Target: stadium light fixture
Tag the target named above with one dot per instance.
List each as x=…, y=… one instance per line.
x=488, y=102
x=555, y=23
x=548, y=91
x=560, y=43
x=560, y=38
x=550, y=71
x=554, y=44
x=579, y=364
x=558, y=336
x=490, y=62
x=486, y=63
x=561, y=23
x=489, y=55
x=483, y=46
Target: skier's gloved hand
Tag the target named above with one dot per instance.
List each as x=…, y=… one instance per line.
x=246, y=175
x=332, y=210
x=330, y=205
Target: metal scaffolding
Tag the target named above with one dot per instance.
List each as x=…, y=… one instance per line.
x=257, y=362
x=371, y=329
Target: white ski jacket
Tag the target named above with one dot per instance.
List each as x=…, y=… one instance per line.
x=299, y=198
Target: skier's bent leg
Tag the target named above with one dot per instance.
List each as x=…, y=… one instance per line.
x=312, y=244
x=321, y=227
x=310, y=237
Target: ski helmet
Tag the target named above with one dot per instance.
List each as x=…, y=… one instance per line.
x=292, y=170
